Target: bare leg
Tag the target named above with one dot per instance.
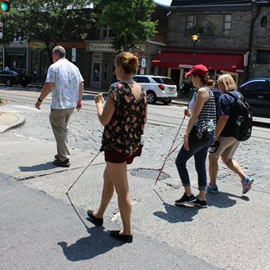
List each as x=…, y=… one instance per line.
x=202, y=195
x=213, y=169
x=118, y=174
x=188, y=191
x=107, y=193
x=235, y=167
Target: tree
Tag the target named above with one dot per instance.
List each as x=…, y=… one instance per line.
x=49, y=22
x=129, y=20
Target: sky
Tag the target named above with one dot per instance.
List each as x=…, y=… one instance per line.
x=163, y=2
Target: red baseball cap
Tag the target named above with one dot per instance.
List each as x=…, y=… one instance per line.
x=198, y=69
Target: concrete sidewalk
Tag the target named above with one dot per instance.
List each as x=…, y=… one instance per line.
x=10, y=120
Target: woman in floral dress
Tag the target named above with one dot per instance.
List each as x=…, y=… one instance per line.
x=124, y=118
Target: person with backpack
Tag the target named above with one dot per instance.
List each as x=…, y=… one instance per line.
x=233, y=126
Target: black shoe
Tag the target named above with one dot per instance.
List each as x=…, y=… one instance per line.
x=185, y=199
x=57, y=157
x=199, y=203
x=61, y=163
x=95, y=220
x=122, y=237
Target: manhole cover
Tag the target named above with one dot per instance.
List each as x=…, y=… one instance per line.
x=149, y=173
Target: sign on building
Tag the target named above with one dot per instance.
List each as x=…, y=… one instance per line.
x=73, y=55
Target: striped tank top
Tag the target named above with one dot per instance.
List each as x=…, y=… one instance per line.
x=207, y=113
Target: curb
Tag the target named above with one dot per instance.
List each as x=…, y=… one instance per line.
x=10, y=120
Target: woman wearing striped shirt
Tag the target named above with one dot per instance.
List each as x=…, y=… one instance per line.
x=199, y=135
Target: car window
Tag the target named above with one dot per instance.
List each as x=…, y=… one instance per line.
x=141, y=79
x=4, y=72
x=168, y=81
x=254, y=86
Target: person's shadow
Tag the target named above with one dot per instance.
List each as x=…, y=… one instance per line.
x=36, y=168
x=223, y=199
x=98, y=242
x=175, y=214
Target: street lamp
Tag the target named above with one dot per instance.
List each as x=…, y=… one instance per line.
x=195, y=39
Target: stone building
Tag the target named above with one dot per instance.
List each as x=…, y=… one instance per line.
x=233, y=38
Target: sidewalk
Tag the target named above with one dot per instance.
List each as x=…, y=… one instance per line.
x=10, y=120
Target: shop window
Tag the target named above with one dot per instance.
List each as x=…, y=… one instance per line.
x=209, y=25
x=263, y=57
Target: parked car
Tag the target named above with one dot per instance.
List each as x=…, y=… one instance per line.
x=157, y=88
x=10, y=77
x=257, y=94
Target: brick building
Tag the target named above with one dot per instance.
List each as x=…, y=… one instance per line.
x=233, y=37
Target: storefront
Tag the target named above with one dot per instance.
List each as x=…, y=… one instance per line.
x=102, y=61
x=178, y=63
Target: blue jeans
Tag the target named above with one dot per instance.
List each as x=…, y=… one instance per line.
x=197, y=148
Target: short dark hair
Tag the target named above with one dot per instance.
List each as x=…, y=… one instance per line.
x=60, y=51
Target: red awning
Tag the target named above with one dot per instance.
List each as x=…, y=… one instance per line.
x=233, y=62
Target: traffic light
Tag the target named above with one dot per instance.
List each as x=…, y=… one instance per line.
x=4, y=6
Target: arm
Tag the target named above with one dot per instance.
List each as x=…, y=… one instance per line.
x=104, y=114
x=202, y=97
x=79, y=103
x=44, y=93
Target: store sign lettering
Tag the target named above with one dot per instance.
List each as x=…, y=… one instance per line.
x=101, y=47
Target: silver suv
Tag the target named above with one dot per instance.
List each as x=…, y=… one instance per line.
x=157, y=88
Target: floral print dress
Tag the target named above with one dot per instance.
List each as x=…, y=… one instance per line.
x=123, y=133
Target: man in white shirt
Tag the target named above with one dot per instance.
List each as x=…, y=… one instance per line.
x=66, y=83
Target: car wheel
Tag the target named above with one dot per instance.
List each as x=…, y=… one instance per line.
x=24, y=84
x=166, y=101
x=8, y=82
x=151, y=97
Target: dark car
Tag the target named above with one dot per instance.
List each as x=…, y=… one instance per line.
x=10, y=77
x=257, y=94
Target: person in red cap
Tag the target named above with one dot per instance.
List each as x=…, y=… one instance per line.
x=198, y=136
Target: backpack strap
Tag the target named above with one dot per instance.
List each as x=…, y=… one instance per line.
x=234, y=95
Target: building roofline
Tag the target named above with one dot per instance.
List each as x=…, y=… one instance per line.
x=218, y=7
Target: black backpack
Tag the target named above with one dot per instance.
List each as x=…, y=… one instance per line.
x=242, y=117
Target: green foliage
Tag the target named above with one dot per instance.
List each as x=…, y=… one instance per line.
x=48, y=21
x=130, y=21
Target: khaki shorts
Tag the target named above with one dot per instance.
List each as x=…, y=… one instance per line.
x=227, y=147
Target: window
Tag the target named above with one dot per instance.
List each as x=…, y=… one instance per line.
x=263, y=57
x=209, y=25
x=254, y=86
x=141, y=79
x=106, y=32
x=164, y=81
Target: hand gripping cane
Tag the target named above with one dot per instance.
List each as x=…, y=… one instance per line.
x=73, y=186
x=170, y=151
